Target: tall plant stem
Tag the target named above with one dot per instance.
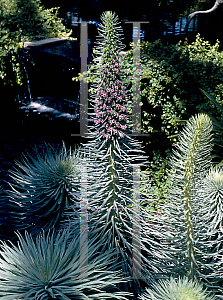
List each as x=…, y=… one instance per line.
x=112, y=176
x=190, y=168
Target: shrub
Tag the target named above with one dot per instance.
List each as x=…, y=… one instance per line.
x=171, y=76
x=217, y=126
x=21, y=21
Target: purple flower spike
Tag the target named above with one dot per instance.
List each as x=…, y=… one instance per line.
x=110, y=98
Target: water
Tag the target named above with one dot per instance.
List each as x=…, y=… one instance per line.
x=28, y=84
x=21, y=130
x=41, y=114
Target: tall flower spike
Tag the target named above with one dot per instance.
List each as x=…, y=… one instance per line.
x=115, y=216
x=110, y=110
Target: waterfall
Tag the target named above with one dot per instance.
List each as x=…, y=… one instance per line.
x=28, y=85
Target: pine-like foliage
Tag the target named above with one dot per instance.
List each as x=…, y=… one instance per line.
x=43, y=187
x=115, y=215
x=193, y=201
x=181, y=289
x=51, y=268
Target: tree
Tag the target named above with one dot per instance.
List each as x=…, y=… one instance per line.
x=21, y=21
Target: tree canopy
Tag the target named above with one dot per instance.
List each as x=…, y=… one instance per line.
x=20, y=21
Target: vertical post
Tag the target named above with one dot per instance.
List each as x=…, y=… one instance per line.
x=136, y=110
x=84, y=85
x=136, y=252
x=84, y=221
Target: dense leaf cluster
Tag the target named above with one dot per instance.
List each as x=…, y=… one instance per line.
x=22, y=21
x=171, y=78
x=170, y=81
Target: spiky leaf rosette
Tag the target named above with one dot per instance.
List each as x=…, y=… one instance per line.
x=51, y=268
x=186, y=227
x=43, y=187
x=181, y=289
x=115, y=215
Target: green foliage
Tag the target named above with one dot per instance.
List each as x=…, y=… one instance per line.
x=181, y=289
x=171, y=76
x=218, y=126
x=51, y=268
x=155, y=180
x=31, y=18
x=21, y=21
x=43, y=187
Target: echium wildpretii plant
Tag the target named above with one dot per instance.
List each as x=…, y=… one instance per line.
x=115, y=215
x=110, y=108
x=191, y=214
